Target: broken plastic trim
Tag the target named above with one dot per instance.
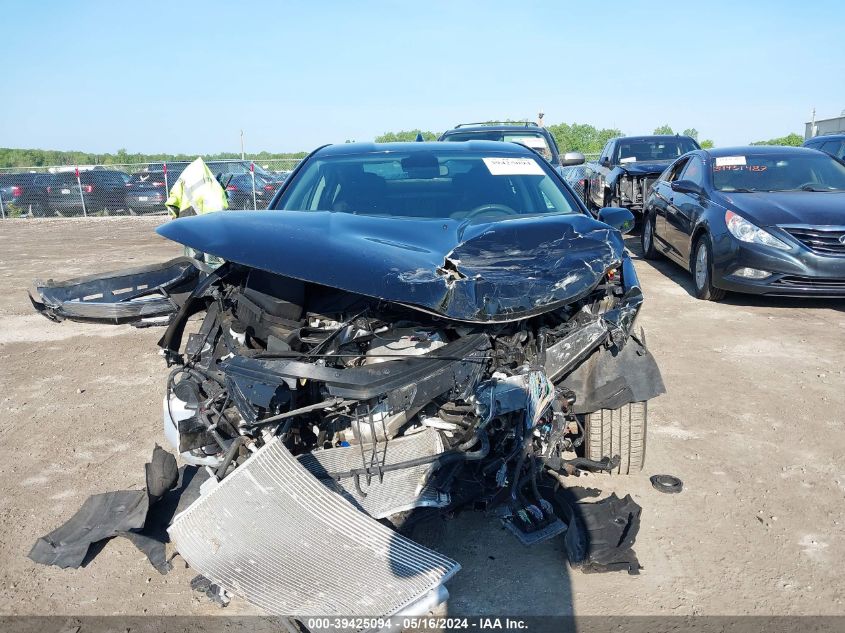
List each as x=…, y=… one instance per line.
x=123, y=296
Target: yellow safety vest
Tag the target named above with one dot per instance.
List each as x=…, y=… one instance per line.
x=196, y=189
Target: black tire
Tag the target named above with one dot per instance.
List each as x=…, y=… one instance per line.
x=622, y=432
x=701, y=267
x=647, y=237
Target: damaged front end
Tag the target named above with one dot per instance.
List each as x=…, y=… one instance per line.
x=629, y=184
x=311, y=402
x=465, y=367
x=442, y=330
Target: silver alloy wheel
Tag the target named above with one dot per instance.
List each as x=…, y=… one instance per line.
x=701, y=265
x=647, y=236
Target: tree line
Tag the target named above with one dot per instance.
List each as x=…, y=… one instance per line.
x=574, y=137
x=10, y=157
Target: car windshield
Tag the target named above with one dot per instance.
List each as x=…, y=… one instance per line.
x=428, y=184
x=809, y=171
x=644, y=149
x=533, y=140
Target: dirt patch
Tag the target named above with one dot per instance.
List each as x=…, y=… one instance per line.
x=753, y=422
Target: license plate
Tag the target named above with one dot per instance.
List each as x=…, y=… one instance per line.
x=65, y=191
x=143, y=198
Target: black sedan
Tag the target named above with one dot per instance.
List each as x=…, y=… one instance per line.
x=146, y=192
x=239, y=191
x=762, y=220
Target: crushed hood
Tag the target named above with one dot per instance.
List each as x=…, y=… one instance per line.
x=501, y=271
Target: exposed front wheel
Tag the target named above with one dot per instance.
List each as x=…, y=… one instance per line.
x=702, y=271
x=622, y=432
x=647, y=237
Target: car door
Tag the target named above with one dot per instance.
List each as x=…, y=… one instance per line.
x=660, y=200
x=683, y=211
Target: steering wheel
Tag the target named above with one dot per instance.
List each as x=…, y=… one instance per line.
x=489, y=207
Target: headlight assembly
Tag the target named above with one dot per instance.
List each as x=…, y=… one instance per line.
x=744, y=231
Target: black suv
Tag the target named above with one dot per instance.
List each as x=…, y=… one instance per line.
x=627, y=167
x=102, y=190
x=833, y=144
x=528, y=134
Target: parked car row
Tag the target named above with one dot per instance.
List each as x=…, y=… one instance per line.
x=99, y=191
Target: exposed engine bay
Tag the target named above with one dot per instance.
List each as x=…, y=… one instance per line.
x=364, y=390
x=424, y=365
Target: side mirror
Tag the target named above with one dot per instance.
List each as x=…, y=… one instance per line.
x=571, y=158
x=620, y=219
x=605, y=162
x=687, y=186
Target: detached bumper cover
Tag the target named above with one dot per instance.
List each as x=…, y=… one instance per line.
x=125, y=296
x=262, y=534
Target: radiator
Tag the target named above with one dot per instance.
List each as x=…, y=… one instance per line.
x=399, y=490
x=272, y=534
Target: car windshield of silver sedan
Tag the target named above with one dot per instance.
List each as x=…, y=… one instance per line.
x=778, y=172
x=428, y=184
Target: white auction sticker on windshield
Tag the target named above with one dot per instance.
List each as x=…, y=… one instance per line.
x=534, y=142
x=726, y=161
x=513, y=166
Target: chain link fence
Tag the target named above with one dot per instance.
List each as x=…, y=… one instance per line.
x=142, y=188
x=129, y=189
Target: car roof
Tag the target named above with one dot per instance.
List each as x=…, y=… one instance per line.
x=826, y=137
x=651, y=137
x=467, y=147
x=516, y=127
x=758, y=150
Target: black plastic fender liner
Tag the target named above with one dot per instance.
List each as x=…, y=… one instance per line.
x=122, y=296
x=612, y=377
x=601, y=535
x=103, y=516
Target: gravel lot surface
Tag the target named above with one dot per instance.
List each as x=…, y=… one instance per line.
x=753, y=422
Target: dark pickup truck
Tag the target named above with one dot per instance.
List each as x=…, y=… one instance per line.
x=627, y=167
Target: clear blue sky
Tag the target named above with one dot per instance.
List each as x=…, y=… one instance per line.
x=186, y=76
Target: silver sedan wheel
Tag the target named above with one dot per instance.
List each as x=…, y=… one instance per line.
x=701, y=265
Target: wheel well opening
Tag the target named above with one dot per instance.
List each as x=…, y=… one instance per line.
x=696, y=235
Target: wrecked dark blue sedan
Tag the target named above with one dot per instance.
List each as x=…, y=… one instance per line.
x=422, y=325
x=760, y=220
